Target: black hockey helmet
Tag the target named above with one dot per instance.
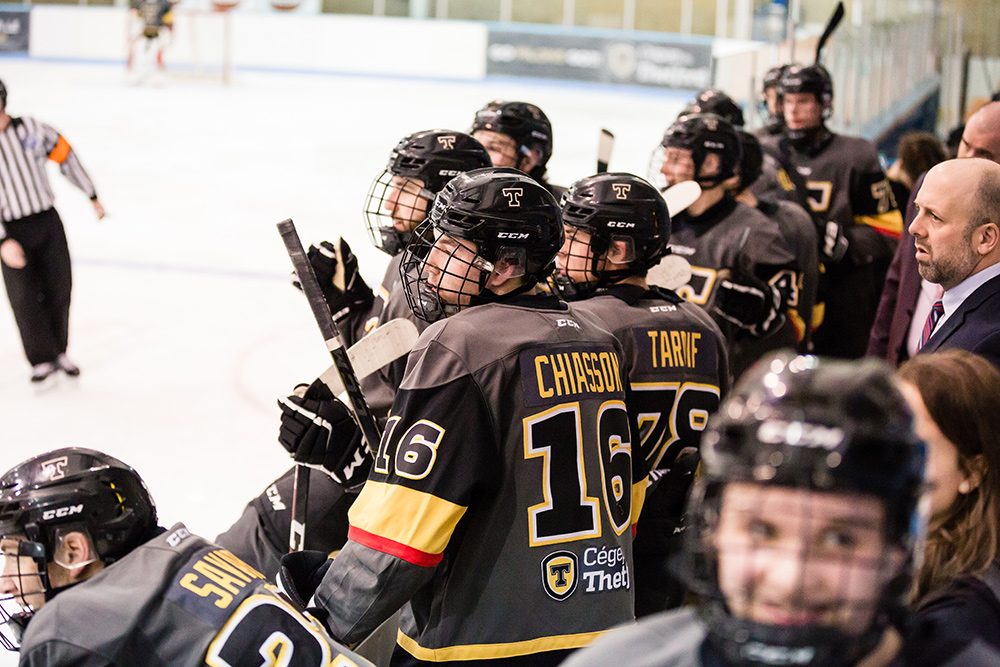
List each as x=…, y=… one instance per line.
x=396, y=200
x=72, y=489
x=3, y=96
x=506, y=215
x=713, y=100
x=814, y=425
x=705, y=133
x=614, y=207
x=752, y=160
x=523, y=122
x=813, y=79
x=772, y=78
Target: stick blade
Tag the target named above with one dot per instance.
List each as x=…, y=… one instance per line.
x=681, y=195
x=382, y=346
x=672, y=272
x=605, y=144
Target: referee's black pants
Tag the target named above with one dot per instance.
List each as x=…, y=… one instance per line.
x=39, y=293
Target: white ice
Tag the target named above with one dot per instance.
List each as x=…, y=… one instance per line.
x=183, y=320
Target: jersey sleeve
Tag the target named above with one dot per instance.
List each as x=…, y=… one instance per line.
x=54, y=653
x=59, y=151
x=872, y=202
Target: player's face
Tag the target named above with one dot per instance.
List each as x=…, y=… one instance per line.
x=802, y=111
x=944, y=473
x=502, y=149
x=773, y=100
x=796, y=557
x=20, y=579
x=575, y=258
x=451, y=270
x=942, y=232
x=678, y=165
x=406, y=202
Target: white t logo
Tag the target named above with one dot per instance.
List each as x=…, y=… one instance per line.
x=513, y=196
x=53, y=468
x=447, y=142
x=621, y=190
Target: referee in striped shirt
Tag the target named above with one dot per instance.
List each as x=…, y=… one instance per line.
x=34, y=255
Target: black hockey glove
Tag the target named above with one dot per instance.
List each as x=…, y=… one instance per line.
x=833, y=243
x=345, y=290
x=750, y=304
x=298, y=578
x=320, y=432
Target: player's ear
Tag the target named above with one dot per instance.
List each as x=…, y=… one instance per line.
x=74, y=551
x=529, y=159
x=710, y=166
x=621, y=251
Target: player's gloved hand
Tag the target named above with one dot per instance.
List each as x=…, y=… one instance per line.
x=320, y=432
x=300, y=575
x=336, y=269
x=750, y=304
x=833, y=243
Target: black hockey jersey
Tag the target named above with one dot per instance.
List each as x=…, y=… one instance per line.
x=726, y=241
x=177, y=601
x=501, y=500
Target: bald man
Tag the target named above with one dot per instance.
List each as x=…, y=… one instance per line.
x=957, y=236
x=907, y=299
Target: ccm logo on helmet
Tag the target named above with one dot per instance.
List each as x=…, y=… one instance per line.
x=447, y=142
x=776, y=432
x=513, y=196
x=512, y=235
x=449, y=172
x=620, y=225
x=621, y=190
x=61, y=512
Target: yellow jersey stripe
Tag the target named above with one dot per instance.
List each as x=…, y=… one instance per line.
x=493, y=651
x=890, y=224
x=408, y=517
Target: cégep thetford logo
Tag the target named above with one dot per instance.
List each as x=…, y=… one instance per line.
x=447, y=142
x=560, y=574
x=513, y=196
x=621, y=190
x=53, y=468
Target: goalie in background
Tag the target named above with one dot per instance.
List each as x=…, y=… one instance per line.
x=149, y=38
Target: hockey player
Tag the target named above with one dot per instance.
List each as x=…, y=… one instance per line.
x=744, y=271
x=95, y=581
x=518, y=135
x=507, y=454
x=771, y=103
x=713, y=100
x=798, y=229
x=809, y=521
x=313, y=423
x=846, y=189
x=617, y=227
x=156, y=27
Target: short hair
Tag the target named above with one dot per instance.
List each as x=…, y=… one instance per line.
x=986, y=200
x=918, y=152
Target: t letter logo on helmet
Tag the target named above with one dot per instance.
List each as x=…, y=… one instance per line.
x=621, y=190
x=513, y=196
x=53, y=468
x=447, y=142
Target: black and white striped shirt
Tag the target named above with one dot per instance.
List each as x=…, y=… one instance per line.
x=25, y=146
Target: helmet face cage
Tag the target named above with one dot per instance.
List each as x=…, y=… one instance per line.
x=525, y=123
x=419, y=167
x=811, y=472
x=705, y=134
x=394, y=207
x=25, y=567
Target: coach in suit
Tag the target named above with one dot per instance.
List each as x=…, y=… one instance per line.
x=906, y=300
x=957, y=236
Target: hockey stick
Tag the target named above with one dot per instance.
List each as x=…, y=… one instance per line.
x=604, y=146
x=382, y=346
x=335, y=344
x=681, y=195
x=831, y=25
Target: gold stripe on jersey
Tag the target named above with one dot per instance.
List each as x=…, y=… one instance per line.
x=577, y=373
x=889, y=224
x=494, y=651
x=638, y=498
x=405, y=516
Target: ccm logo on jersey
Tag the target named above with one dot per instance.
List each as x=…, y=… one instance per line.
x=513, y=235
x=621, y=190
x=61, y=512
x=563, y=322
x=447, y=142
x=513, y=196
x=274, y=496
x=778, y=432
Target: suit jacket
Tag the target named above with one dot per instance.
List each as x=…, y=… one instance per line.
x=975, y=326
x=899, y=295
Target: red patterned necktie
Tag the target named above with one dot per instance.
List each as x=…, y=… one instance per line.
x=937, y=310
